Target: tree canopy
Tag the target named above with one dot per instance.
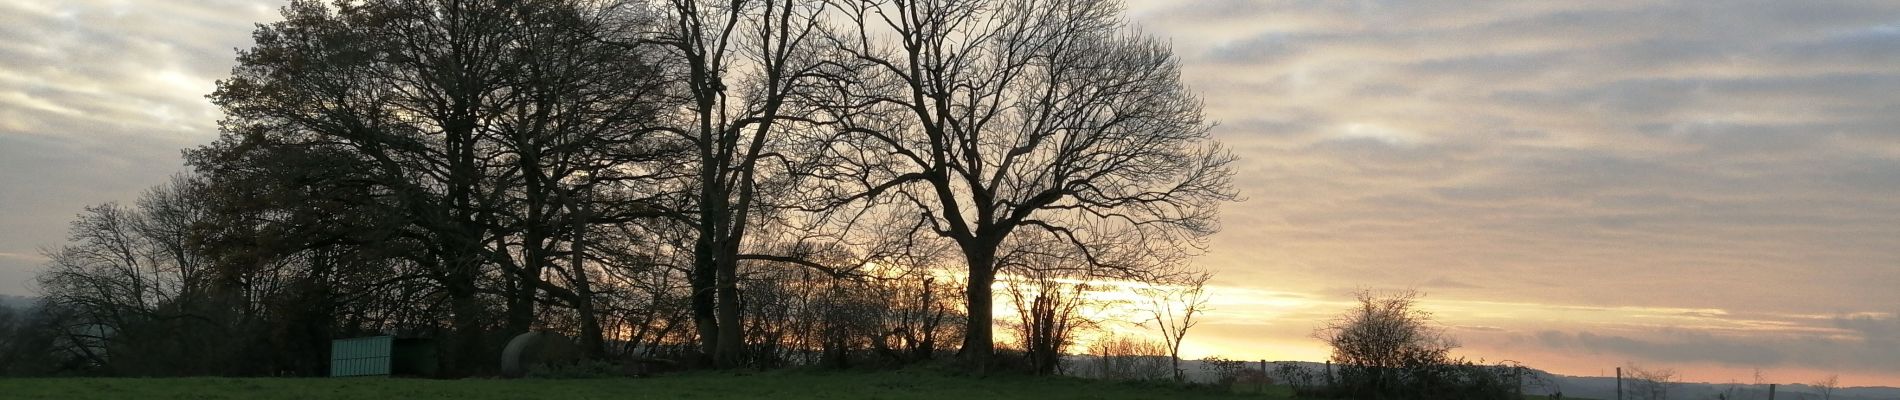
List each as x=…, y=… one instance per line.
x=720, y=183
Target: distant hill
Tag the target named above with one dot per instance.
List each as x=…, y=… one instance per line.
x=1537, y=382
x=17, y=302
x=1605, y=388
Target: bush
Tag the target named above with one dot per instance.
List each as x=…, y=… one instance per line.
x=1130, y=359
x=1304, y=381
x=1449, y=379
x=1224, y=371
x=1005, y=360
x=1388, y=348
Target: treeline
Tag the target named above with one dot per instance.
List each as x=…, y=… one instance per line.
x=723, y=183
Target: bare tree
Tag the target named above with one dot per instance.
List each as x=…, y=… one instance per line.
x=643, y=170
x=1827, y=386
x=583, y=124
x=1385, y=330
x=1173, y=307
x=1129, y=358
x=1730, y=390
x=133, y=289
x=1649, y=384
x=909, y=280
x=1049, y=307
x=479, y=125
x=1048, y=118
x=406, y=89
x=1382, y=334
x=741, y=65
x=1225, y=372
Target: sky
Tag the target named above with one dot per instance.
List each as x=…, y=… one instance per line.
x=1712, y=187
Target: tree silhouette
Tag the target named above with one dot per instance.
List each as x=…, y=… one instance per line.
x=1045, y=118
x=641, y=173
x=481, y=123
x=1173, y=306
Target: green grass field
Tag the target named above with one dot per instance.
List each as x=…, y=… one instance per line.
x=767, y=385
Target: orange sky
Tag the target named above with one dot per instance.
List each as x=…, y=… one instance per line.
x=1263, y=324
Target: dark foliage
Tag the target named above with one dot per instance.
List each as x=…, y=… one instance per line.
x=670, y=183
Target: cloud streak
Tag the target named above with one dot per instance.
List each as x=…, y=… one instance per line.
x=96, y=100
x=1604, y=155
x=1860, y=343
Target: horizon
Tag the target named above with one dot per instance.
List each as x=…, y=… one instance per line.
x=1709, y=188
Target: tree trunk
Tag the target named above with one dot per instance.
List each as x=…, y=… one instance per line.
x=702, y=279
x=521, y=303
x=927, y=348
x=584, y=287
x=731, y=336
x=464, y=359
x=534, y=240
x=978, y=341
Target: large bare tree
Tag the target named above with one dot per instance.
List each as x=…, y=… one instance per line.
x=994, y=119
x=480, y=123
x=738, y=66
x=584, y=139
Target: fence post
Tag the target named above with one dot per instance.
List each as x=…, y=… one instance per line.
x=1619, y=384
x=1518, y=375
x=1771, y=391
x=1329, y=374
x=1262, y=382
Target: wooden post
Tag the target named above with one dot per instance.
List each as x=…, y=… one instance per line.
x=1518, y=375
x=1771, y=391
x=1619, y=383
x=1329, y=374
x=1262, y=382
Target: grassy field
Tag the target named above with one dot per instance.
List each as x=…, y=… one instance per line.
x=768, y=385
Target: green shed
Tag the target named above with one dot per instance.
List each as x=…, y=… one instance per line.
x=382, y=356
x=361, y=356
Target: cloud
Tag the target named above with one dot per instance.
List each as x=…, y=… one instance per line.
x=1678, y=347
x=1612, y=157
x=1875, y=330
x=1446, y=283
x=1265, y=47
x=1556, y=152
x=96, y=100
x=1863, y=343
x=23, y=256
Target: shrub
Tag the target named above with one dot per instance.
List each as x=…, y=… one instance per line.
x=1130, y=359
x=1224, y=371
x=1304, y=381
x=1388, y=348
